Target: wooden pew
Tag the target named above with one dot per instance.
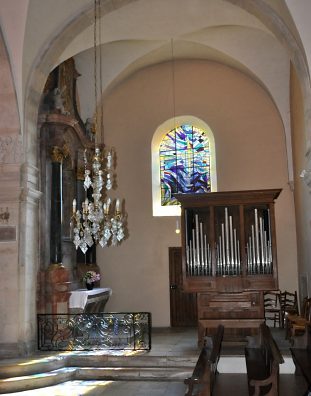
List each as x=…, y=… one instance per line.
x=301, y=353
x=202, y=379
x=263, y=358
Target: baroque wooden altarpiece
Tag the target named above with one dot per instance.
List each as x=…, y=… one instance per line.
x=63, y=140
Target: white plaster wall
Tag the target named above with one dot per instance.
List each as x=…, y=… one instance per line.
x=13, y=16
x=251, y=154
x=302, y=191
x=300, y=11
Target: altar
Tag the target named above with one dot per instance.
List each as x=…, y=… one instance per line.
x=89, y=301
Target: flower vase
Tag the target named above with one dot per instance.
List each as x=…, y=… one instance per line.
x=89, y=285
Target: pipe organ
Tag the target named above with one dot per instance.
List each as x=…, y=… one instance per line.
x=229, y=252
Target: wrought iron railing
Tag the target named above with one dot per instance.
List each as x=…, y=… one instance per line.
x=100, y=331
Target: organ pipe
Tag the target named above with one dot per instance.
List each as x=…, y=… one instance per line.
x=198, y=256
x=198, y=250
x=227, y=246
x=259, y=248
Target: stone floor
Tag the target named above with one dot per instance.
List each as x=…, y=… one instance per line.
x=182, y=342
x=226, y=384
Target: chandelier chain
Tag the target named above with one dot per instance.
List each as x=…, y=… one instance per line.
x=100, y=75
x=173, y=82
x=100, y=220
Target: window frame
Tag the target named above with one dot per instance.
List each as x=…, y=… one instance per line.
x=161, y=131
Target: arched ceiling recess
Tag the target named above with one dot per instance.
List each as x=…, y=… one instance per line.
x=124, y=20
x=250, y=50
x=123, y=58
x=136, y=33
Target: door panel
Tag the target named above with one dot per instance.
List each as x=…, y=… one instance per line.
x=183, y=305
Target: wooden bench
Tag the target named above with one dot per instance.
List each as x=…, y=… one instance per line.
x=263, y=358
x=301, y=353
x=202, y=379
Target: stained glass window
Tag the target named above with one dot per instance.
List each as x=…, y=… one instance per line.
x=184, y=163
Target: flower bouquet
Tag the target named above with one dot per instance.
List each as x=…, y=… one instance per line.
x=90, y=277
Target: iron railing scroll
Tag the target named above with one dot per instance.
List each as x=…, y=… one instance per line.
x=100, y=331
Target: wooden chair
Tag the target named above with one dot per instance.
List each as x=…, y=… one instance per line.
x=290, y=318
x=289, y=305
x=296, y=324
x=272, y=307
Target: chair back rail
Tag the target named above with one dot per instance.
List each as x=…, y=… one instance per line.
x=272, y=307
x=289, y=305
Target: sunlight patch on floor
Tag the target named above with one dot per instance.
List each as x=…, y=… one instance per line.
x=71, y=388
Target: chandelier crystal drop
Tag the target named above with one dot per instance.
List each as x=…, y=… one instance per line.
x=98, y=221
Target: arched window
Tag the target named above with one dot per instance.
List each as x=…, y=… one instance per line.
x=183, y=161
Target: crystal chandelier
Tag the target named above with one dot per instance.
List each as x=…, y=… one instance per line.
x=99, y=220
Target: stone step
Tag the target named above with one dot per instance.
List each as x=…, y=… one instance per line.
x=53, y=377
x=34, y=381
x=40, y=364
x=43, y=371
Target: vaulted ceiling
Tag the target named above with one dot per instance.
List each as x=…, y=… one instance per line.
x=248, y=36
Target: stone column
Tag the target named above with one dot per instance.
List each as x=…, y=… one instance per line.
x=56, y=207
x=57, y=276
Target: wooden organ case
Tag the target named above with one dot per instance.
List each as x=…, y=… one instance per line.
x=229, y=256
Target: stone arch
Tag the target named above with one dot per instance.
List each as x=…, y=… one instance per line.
x=41, y=70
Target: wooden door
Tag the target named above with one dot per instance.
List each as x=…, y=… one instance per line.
x=183, y=305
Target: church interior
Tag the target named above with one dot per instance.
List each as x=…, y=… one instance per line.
x=123, y=77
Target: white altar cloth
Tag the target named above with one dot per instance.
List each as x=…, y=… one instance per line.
x=78, y=298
